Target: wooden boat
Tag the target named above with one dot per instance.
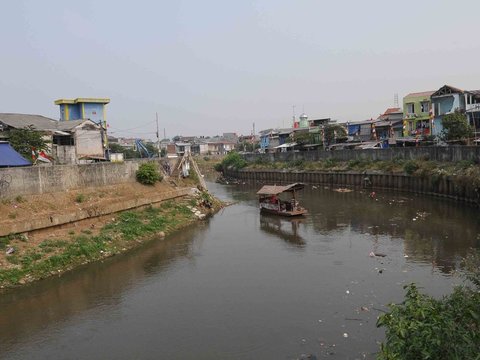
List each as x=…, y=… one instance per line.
x=271, y=200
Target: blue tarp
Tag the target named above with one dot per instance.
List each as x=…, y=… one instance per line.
x=9, y=157
x=353, y=130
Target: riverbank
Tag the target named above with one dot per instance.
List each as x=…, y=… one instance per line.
x=455, y=180
x=27, y=257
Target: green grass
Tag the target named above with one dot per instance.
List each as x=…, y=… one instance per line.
x=53, y=256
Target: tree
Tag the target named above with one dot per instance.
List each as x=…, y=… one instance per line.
x=26, y=139
x=152, y=149
x=303, y=138
x=127, y=153
x=334, y=133
x=456, y=127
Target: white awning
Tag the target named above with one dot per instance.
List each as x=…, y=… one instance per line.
x=58, y=132
x=285, y=145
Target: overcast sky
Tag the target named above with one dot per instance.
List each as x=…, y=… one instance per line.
x=209, y=67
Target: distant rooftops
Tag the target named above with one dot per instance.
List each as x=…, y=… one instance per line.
x=418, y=94
x=82, y=100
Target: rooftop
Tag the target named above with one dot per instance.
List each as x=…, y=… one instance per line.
x=82, y=100
x=421, y=94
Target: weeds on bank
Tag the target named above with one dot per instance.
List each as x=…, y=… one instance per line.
x=54, y=256
x=422, y=327
x=419, y=167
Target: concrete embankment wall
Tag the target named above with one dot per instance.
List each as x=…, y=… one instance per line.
x=48, y=179
x=42, y=222
x=434, y=153
x=446, y=186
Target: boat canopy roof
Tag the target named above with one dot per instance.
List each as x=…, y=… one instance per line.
x=278, y=189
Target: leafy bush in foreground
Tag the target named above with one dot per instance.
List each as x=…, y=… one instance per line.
x=422, y=327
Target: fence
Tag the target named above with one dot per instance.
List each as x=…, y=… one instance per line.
x=435, y=153
x=49, y=179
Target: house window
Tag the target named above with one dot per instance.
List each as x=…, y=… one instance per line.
x=436, y=108
x=410, y=108
x=425, y=106
x=63, y=140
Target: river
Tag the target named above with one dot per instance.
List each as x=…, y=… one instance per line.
x=245, y=286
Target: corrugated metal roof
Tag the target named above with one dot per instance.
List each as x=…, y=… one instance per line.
x=419, y=94
x=392, y=111
x=277, y=189
x=474, y=92
x=10, y=158
x=72, y=124
x=20, y=121
x=38, y=122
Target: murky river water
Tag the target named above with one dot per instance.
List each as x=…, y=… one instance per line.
x=245, y=286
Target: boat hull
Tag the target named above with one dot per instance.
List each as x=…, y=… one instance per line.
x=289, y=213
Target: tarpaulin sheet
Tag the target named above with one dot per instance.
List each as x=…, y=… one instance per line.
x=9, y=157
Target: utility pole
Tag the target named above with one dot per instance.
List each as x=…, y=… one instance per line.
x=158, y=137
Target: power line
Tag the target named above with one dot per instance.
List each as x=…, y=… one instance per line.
x=134, y=128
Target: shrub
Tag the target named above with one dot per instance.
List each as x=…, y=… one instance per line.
x=80, y=198
x=233, y=159
x=422, y=327
x=19, y=199
x=410, y=167
x=147, y=174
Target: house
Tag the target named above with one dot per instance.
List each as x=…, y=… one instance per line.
x=417, y=114
x=389, y=125
x=93, y=109
x=268, y=140
x=71, y=142
x=362, y=130
x=77, y=141
x=220, y=147
x=200, y=147
x=449, y=99
x=182, y=147
x=83, y=108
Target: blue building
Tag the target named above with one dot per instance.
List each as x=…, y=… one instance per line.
x=448, y=99
x=82, y=109
x=86, y=109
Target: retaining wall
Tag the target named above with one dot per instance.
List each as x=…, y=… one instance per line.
x=47, y=221
x=439, y=186
x=436, y=153
x=49, y=179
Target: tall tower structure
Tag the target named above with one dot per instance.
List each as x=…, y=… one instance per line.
x=83, y=108
x=303, y=121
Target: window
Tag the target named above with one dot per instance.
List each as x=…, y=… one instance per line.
x=63, y=140
x=425, y=106
x=410, y=108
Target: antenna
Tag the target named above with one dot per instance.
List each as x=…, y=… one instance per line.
x=395, y=100
x=293, y=107
x=158, y=136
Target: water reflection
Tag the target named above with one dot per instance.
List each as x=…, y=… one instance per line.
x=433, y=230
x=246, y=286
x=28, y=310
x=285, y=229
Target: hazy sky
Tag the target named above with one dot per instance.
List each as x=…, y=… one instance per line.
x=209, y=67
